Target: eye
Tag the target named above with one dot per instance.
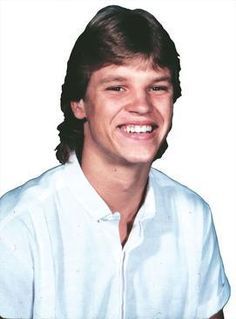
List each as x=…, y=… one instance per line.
x=159, y=88
x=115, y=88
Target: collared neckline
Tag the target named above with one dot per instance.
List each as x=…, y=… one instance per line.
x=96, y=207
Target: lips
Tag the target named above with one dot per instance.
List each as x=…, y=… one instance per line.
x=138, y=128
x=138, y=131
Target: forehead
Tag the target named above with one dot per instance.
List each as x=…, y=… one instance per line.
x=131, y=69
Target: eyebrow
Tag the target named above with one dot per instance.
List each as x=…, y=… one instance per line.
x=163, y=78
x=111, y=78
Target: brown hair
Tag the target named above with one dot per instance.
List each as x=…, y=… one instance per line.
x=112, y=36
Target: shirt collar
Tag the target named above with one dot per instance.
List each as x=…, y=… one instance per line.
x=96, y=207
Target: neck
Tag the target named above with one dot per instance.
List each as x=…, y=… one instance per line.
x=122, y=187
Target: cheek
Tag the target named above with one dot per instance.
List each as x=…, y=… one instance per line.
x=168, y=118
x=165, y=111
x=95, y=124
x=168, y=109
x=170, y=113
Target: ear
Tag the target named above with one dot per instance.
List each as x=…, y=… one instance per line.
x=78, y=109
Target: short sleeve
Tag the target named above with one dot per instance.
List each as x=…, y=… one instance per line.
x=16, y=271
x=214, y=290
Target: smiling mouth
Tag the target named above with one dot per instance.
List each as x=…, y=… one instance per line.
x=138, y=129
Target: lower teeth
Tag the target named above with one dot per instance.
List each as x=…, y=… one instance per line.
x=139, y=132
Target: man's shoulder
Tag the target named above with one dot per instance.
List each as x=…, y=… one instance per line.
x=174, y=189
x=31, y=193
x=185, y=205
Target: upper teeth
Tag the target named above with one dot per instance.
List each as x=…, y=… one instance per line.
x=138, y=128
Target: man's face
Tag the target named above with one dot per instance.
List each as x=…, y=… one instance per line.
x=129, y=111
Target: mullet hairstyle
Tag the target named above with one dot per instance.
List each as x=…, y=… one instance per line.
x=114, y=35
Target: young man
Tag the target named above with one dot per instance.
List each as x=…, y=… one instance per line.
x=105, y=235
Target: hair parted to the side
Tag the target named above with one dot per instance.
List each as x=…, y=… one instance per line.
x=114, y=35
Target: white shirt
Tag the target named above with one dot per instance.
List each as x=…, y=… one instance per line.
x=61, y=257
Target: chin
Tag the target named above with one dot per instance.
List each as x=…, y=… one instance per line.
x=139, y=159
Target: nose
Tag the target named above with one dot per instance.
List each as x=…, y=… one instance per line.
x=139, y=103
